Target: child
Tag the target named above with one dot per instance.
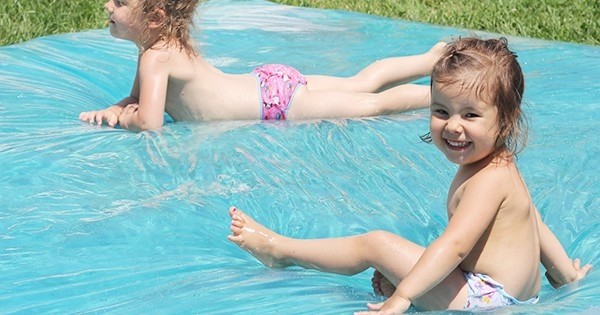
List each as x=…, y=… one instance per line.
x=171, y=77
x=489, y=254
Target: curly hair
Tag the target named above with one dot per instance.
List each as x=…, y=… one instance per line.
x=179, y=15
x=492, y=72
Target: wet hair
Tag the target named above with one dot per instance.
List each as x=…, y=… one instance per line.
x=178, y=19
x=489, y=69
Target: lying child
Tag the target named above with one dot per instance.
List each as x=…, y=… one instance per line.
x=172, y=77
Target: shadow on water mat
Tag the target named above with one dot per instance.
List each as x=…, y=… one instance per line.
x=101, y=220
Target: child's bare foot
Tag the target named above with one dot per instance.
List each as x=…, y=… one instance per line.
x=435, y=53
x=381, y=285
x=254, y=238
x=437, y=50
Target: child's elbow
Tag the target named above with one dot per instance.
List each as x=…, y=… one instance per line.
x=458, y=248
x=147, y=124
x=454, y=248
x=150, y=127
x=461, y=251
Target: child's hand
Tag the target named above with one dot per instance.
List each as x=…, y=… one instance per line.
x=127, y=114
x=579, y=271
x=393, y=305
x=109, y=115
x=130, y=109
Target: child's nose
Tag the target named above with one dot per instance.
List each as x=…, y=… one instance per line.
x=454, y=125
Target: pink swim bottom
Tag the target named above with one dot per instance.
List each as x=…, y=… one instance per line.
x=277, y=85
x=487, y=293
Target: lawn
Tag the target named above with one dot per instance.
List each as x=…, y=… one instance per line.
x=564, y=20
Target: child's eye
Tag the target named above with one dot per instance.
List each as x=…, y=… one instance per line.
x=472, y=115
x=440, y=112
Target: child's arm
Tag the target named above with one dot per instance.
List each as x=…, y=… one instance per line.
x=152, y=78
x=468, y=223
x=560, y=269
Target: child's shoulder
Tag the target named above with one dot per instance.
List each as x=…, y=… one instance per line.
x=163, y=57
x=160, y=51
x=485, y=189
x=495, y=175
x=498, y=168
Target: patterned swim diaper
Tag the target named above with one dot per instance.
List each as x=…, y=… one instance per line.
x=487, y=293
x=277, y=85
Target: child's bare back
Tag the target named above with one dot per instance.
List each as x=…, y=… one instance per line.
x=196, y=90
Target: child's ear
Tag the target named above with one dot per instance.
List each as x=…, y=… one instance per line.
x=157, y=19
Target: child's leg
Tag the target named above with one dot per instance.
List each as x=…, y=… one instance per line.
x=344, y=255
x=381, y=74
x=336, y=104
x=394, y=256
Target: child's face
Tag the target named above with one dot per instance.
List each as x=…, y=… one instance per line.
x=122, y=22
x=462, y=126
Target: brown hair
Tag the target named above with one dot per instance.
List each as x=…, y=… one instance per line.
x=175, y=26
x=492, y=72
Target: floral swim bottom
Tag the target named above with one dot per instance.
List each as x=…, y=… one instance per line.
x=277, y=84
x=487, y=293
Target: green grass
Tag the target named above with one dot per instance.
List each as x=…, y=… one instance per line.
x=21, y=20
x=564, y=20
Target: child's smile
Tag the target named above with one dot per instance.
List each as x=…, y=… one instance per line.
x=457, y=145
